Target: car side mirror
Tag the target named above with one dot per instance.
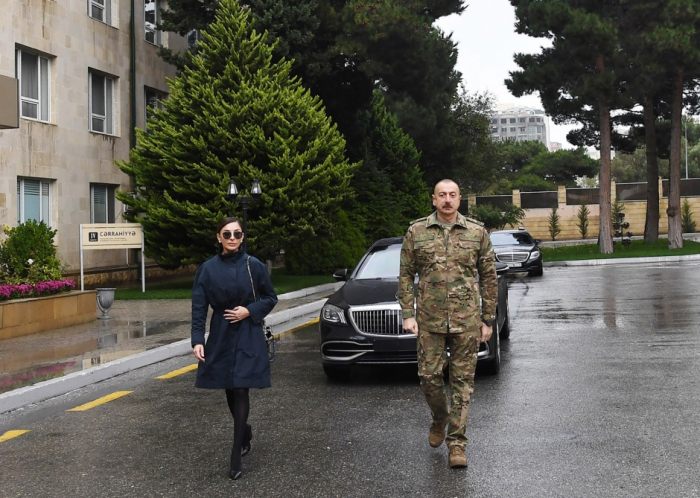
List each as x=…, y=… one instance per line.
x=341, y=275
x=538, y=241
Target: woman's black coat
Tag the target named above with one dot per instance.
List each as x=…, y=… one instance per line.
x=235, y=354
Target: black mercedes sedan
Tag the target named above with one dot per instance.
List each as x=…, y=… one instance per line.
x=361, y=323
x=518, y=250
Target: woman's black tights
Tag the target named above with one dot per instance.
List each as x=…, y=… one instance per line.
x=239, y=405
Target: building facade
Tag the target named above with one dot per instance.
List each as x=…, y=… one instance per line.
x=511, y=122
x=82, y=89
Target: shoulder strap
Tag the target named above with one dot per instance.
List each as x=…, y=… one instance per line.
x=255, y=297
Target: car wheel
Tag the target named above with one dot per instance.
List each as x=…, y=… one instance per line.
x=335, y=372
x=536, y=273
x=494, y=364
x=505, y=329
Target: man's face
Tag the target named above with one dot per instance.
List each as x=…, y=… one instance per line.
x=446, y=198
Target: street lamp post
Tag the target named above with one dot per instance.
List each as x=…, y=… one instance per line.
x=245, y=202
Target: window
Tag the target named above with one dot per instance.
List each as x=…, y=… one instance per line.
x=539, y=120
x=100, y=10
x=154, y=100
x=522, y=128
x=531, y=120
x=33, y=75
x=512, y=120
x=101, y=103
x=512, y=129
x=504, y=121
x=151, y=10
x=194, y=36
x=504, y=130
x=521, y=120
x=101, y=203
x=494, y=130
x=33, y=200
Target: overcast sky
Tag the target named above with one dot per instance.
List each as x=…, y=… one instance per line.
x=487, y=40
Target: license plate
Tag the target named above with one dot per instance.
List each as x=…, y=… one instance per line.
x=514, y=265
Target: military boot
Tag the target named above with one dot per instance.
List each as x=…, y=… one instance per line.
x=437, y=435
x=457, y=457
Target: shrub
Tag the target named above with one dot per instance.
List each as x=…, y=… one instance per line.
x=554, y=225
x=495, y=219
x=582, y=220
x=687, y=222
x=27, y=255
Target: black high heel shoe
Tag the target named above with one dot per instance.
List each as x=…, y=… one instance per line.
x=235, y=474
x=245, y=449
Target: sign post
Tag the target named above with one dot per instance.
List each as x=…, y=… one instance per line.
x=112, y=236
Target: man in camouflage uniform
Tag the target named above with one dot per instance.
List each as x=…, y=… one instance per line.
x=447, y=251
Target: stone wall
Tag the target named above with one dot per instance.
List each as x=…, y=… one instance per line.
x=537, y=220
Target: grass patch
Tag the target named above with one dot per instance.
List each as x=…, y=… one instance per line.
x=182, y=289
x=638, y=249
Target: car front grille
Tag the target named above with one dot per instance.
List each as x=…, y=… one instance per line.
x=512, y=257
x=378, y=321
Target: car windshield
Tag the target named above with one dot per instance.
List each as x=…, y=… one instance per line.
x=511, y=239
x=382, y=262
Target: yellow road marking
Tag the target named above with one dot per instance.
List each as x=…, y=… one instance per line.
x=312, y=322
x=100, y=401
x=11, y=434
x=179, y=371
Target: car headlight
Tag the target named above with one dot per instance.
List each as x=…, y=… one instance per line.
x=333, y=314
x=535, y=254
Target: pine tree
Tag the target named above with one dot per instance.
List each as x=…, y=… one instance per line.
x=389, y=184
x=582, y=220
x=554, y=224
x=233, y=113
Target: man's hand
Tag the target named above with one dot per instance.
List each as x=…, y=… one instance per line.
x=486, y=332
x=411, y=325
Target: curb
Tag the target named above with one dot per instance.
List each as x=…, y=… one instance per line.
x=624, y=261
x=12, y=400
x=311, y=291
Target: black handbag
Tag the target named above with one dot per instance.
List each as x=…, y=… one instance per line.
x=267, y=329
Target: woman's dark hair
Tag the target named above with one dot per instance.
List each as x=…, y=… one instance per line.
x=226, y=221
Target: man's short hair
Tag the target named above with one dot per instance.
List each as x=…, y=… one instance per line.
x=446, y=180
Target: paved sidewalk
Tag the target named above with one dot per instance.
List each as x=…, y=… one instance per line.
x=136, y=327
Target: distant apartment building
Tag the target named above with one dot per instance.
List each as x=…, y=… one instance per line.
x=87, y=72
x=554, y=146
x=511, y=122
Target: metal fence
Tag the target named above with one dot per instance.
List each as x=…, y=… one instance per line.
x=499, y=201
x=689, y=187
x=631, y=191
x=539, y=200
x=580, y=196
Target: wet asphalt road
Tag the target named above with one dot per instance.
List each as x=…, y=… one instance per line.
x=598, y=395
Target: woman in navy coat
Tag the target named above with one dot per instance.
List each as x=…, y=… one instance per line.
x=234, y=356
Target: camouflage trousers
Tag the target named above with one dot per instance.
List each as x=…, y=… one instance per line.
x=432, y=359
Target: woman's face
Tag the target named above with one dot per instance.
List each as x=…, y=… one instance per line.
x=230, y=244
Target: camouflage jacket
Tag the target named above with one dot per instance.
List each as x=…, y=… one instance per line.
x=448, y=290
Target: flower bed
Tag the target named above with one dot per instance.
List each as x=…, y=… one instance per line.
x=40, y=289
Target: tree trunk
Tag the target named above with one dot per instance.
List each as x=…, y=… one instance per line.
x=675, y=233
x=605, y=237
x=651, y=227
x=605, y=242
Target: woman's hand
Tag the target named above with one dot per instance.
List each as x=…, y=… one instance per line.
x=236, y=314
x=198, y=351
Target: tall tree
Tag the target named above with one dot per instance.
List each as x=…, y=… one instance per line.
x=677, y=37
x=232, y=113
x=577, y=77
